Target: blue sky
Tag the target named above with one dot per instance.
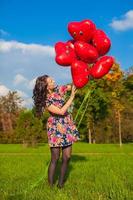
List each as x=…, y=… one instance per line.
x=29, y=30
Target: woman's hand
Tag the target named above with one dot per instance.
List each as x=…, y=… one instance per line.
x=73, y=91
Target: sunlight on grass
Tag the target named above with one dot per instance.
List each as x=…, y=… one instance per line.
x=89, y=176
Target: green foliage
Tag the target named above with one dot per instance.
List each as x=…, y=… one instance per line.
x=128, y=84
x=29, y=128
x=110, y=96
x=11, y=103
x=98, y=102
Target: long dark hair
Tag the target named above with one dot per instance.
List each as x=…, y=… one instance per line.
x=40, y=94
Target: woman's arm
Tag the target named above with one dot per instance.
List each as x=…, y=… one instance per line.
x=61, y=111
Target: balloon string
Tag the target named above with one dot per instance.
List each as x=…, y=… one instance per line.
x=84, y=100
x=83, y=114
x=38, y=181
x=41, y=178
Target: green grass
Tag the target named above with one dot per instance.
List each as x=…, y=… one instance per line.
x=96, y=172
x=80, y=147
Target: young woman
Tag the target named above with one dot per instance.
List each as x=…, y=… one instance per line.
x=61, y=129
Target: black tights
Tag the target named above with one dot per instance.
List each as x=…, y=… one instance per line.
x=55, y=155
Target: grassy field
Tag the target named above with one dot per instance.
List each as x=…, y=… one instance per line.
x=96, y=172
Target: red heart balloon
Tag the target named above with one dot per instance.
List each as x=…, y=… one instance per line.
x=99, y=32
x=86, y=52
x=101, y=42
x=102, y=66
x=82, y=31
x=65, y=53
x=71, y=43
x=80, y=72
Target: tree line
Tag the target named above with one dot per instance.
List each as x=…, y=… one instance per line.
x=105, y=117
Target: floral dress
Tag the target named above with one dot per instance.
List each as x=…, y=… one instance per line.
x=61, y=129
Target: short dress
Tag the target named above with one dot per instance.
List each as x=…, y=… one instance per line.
x=61, y=129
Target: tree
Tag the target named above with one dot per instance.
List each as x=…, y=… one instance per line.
x=116, y=89
x=10, y=105
x=29, y=128
x=95, y=106
x=128, y=103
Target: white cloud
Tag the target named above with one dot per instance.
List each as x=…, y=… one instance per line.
x=19, y=79
x=22, y=94
x=123, y=24
x=3, y=90
x=8, y=46
x=3, y=33
x=28, y=102
x=32, y=83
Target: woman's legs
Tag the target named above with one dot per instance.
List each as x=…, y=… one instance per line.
x=55, y=155
x=66, y=155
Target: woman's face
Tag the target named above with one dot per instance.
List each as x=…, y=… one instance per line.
x=51, y=83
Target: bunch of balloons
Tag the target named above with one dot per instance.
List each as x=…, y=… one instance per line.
x=85, y=53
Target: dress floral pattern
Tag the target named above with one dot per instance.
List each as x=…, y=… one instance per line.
x=61, y=129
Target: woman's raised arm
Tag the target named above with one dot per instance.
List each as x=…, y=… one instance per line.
x=61, y=111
